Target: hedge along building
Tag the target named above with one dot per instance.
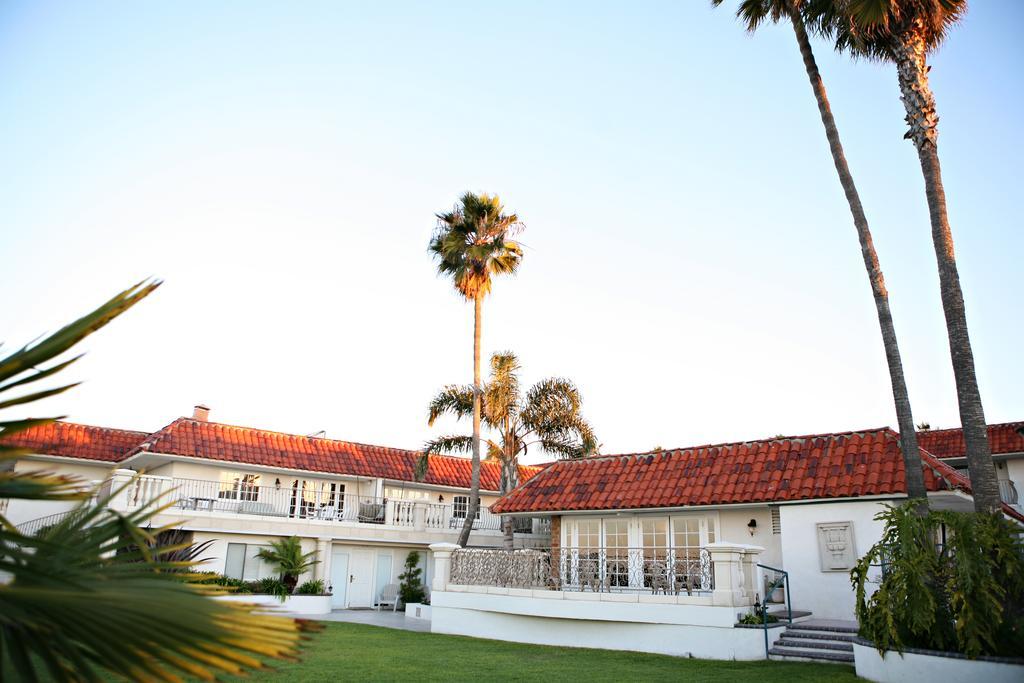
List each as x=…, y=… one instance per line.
x=359, y=507
x=809, y=502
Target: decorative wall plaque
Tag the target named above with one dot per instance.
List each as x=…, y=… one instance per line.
x=836, y=548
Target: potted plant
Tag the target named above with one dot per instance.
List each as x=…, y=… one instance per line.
x=410, y=589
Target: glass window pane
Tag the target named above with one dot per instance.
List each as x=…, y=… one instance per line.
x=234, y=562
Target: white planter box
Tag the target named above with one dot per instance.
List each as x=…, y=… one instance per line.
x=417, y=610
x=929, y=666
x=304, y=605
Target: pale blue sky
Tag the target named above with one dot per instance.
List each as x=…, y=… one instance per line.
x=690, y=258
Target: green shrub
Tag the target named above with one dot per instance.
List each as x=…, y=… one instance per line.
x=757, y=618
x=213, y=578
x=315, y=587
x=411, y=587
x=965, y=594
x=271, y=585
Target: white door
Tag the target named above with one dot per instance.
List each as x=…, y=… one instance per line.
x=360, y=578
x=339, y=579
x=383, y=574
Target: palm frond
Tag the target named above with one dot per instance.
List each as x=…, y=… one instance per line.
x=470, y=244
x=501, y=393
x=88, y=569
x=454, y=399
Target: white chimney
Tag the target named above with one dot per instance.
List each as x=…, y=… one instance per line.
x=201, y=413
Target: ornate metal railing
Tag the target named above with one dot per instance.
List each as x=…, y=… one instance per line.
x=668, y=571
x=34, y=526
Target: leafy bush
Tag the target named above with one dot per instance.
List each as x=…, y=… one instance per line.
x=965, y=594
x=758, y=617
x=411, y=587
x=215, y=579
x=315, y=587
x=271, y=585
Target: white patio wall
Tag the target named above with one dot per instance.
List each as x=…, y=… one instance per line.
x=683, y=625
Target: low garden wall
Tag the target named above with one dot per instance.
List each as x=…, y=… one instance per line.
x=681, y=630
x=304, y=605
x=929, y=666
x=682, y=625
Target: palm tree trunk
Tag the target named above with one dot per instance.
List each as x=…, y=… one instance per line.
x=910, y=54
x=509, y=480
x=901, y=398
x=474, y=490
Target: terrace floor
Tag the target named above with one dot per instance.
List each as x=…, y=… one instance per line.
x=370, y=617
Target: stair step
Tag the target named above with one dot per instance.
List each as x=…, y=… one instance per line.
x=822, y=655
x=831, y=627
x=800, y=631
x=786, y=641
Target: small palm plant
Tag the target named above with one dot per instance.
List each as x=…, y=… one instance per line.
x=291, y=563
x=549, y=417
x=98, y=590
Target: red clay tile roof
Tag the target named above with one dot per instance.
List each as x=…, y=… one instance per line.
x=949, y=443
x=249, y=446
x=850, y=464
x=72, y=440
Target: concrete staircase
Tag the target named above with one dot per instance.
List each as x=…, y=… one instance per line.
x=816, y=640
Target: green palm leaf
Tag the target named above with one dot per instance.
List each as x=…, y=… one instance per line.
x=96, y=591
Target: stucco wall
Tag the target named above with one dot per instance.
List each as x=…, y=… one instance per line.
x=20, y=511
x=828, y=594
x=734, y=521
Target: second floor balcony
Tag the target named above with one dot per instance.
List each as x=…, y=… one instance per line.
x=197, y=496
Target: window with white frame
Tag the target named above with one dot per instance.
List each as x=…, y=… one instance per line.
x=242, y=562
x=637, y=551
x=239, y=486
x=396, y=493
x=460, y=507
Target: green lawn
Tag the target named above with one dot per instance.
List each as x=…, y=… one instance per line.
x=354, y=652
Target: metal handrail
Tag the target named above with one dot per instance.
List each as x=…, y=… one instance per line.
x=782, y=581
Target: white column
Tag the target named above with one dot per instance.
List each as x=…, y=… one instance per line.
x=419, y=517
x=442, y=565
x=322, y=569
x=120, y=489
x=750, y=573
x=727, y=559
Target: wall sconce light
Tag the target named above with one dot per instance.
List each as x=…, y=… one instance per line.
x=440, y=498
x=752, y=526
x=277, y=484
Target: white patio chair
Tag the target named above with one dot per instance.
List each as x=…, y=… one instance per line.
x=328, y=512
x=389, y=596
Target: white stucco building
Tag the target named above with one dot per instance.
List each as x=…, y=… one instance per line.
x=359, y=507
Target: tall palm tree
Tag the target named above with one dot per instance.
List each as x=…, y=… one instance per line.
x=471, y=244
x=548, y=416
x=753, y=13
x=903, y=32
x=99, y=590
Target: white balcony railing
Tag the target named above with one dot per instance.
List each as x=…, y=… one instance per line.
x=1008, y=492
x=322, y=504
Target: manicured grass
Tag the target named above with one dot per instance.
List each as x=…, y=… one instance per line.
x=354, y=652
